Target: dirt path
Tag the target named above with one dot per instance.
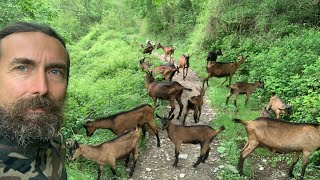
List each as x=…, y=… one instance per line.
x=156, y=163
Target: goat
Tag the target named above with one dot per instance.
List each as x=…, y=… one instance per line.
x=212, y=55
x=199, y=134
x=243, y=88
x=223, y=69
x=168, y=90
x=167, y=71
x=149, y=47
x=110, y=151
x=281, y=137
x=144, y=65
x=279, y=107
x=168, y=51
x=195, y=103
x=122, y=121
x=184, y=64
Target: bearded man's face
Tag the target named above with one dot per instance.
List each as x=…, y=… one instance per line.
x=33, y=83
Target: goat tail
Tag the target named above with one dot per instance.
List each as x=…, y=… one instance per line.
x=215, y=133
x=239, y=121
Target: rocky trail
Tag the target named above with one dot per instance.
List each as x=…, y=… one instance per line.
x=155, y=163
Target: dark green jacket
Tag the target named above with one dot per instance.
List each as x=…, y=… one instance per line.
x=44, y=161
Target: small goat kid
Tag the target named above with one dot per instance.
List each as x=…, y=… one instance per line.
x=195, y=103
x=281, y=137
x=184, y=64
x=279, y=107
x=213, y=55
x=122, y=121
x=199, y=134
x=243, y=88
x=168, y=51
x=168, y=90
x=223, y=69
x=110, y=151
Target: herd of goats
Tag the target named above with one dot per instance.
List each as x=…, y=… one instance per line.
x=268, y=130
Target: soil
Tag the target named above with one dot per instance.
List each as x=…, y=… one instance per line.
x=156, y=162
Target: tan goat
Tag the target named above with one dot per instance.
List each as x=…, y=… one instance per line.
x=279, y=107
x=110, y=151
x=243, y=88
x=184, y=64
x=168, y=51
x=223, y=69
x=280, y=137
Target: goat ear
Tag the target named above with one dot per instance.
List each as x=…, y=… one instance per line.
x=76, y=145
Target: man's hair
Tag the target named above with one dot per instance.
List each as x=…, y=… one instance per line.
x=34, y=27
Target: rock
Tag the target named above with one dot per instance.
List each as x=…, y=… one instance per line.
x=182, y=175
x=261, y=168
x=148, y=169
x=183, y=156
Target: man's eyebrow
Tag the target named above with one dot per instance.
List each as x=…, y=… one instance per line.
x=22, y=61
x=57, y=65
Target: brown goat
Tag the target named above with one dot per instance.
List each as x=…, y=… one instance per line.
x=199, y=134
x=213, y=55
x=168, y=90
x=223, y=69
x=281, y=137
x=195, y=103
x=167, y=71
x=243, y=88
x=144, y=65
x=184, y=64
x=168, y=51
x=110, y=151
x=122, y=121
x=279, y=107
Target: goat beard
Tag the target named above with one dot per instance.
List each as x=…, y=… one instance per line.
x=19, y=124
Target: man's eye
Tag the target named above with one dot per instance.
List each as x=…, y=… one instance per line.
x=22, y=68
x=57, y=72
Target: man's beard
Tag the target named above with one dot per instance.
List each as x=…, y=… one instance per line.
x=26, y=127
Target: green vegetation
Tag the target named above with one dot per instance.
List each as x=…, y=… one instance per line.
x=279, y=38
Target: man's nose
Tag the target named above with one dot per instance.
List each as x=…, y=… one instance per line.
x=39, y=84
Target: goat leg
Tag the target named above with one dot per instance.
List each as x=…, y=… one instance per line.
x=195, y=115
x=225, y=81
x=206, y=155
x=144, y=130
x=127, y=160
x=135, y=157
x=100, y=170
x=200, y=159
x=294, y=162
x=178, y=98
x=176, y=151
x=185, y=115
x=305, y=156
